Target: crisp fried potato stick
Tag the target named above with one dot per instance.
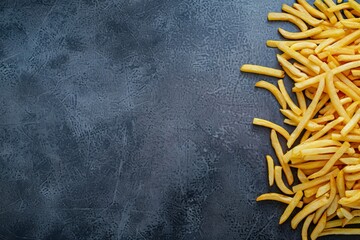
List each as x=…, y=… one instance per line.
x=307, y=115
x=319, y=227
x=306, y=18
x=322, y=190
x=338, y=223
x=346, y=201
x=346, y=40
x=334, y=97
x=277, y=197
x=325, y=130
x=305, y=228
x=323, y=8
x=338, y=7
x=286, y=64
x=344, y=147
x=288, y=17
x=351, y=124
x=272, y=72
x=352, y=177
x=348, y=58
x=280, y=155
x=268, y=124
x=313, y=11
x=270, y=164
x=317, y=181
x=309, y=33
x=308, y=209
x=354, y=5
x=274, y=90
x=287, y=98
x=279, y=182
x=331, y=33
x=298, y=57
x=290, y=208
x=352, y=169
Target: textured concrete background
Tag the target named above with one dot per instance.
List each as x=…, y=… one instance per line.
x=130, y=120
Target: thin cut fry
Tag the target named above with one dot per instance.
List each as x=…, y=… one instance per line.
x=270, y=164
x=308, y=209
x=279, y=182
x=290, y=208
x=287, y=98
x=274, y=90
x=288, y=17
x=307, y=115
x=340, y=231
x=319, y=227
x=262, y=70
x=268, y=124
x=304, y=34
x=304, y=230
x=277, y=197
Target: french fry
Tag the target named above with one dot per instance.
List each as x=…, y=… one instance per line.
x=308, y=209
x=271, y=125
x=279, y=182
x=274, y=90
x=272, y=72
x=290, y=208
x=270, y=164
x=280, y=155
x=306, y=34
x=305, y=228
x=288, y=17
x=340, y=231
x=319, y=227
x=277, y=197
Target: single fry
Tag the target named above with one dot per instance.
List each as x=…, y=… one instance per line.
x=288, y=17
x=279, y=182
x=277, y=197
x=270, y=164
x=274, y=90
x=305, y=228
x=268, y=124
x=290, y=208
x=272, y=72
x=308, y=209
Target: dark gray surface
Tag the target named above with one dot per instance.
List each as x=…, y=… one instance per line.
x=130, y=120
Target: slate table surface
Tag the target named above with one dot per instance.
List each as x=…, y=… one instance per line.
x=130, y=120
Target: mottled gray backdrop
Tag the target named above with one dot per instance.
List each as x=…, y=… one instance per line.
x=130, y=120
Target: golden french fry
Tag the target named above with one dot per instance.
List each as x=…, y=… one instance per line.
x=280, y=183
x=277, y=197
x=280, y=155
x=290, y=208
x=306, y=34
x=307, y=115
x=319, y=227
x=271, y=125
x=308, y=209
x=274, y=90
x=288, y=17
x=340, y=231
x=270, y=164
x=305, y=228
x=287, y=98
x=262, y=70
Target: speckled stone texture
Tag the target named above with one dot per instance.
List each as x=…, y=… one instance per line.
x=130, y=120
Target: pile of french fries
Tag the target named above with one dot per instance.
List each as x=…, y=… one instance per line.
x=323, y=60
